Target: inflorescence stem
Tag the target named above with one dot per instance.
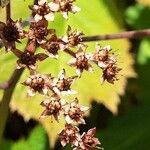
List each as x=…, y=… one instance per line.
x=9, y=86
x=127, y=34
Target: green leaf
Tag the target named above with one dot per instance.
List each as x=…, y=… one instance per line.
x=144, y=2
x=144, y=52
x=131, y=131
x=138, y=16
x=95, y=18
x=37, y=140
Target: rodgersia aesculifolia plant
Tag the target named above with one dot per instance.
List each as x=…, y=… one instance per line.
x=54, y=88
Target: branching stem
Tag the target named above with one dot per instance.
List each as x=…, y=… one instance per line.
x=127, y=34
x=9, y=86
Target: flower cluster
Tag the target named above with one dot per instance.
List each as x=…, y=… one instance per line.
x=106, y=60
x=45, y=10
x=54, y=88
x=11, y=32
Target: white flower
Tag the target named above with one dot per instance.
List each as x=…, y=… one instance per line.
x=62, y=84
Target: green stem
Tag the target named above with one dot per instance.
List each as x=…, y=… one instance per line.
x=4, y=105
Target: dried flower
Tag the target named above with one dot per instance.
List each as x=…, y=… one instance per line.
x=38, y=31
x=38, y=83
x=53, y=107
x=110, y=73
x=53, y=45
x=64, y=6
x=10, y=33
x=28, y=59
x=81, y=61
x=61, y=85
x=75, y=113
x=42, y=11
x=70, y=135
x=103, y=56
x=88, y=141
x=73, y=38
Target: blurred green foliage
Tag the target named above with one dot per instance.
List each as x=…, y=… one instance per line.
x=129, y=131
x=137, y=17
x=37, y=140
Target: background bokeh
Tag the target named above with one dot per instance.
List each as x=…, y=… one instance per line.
x=120, y=111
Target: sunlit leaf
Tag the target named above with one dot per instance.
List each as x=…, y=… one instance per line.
x=96, y=17
x=144, y=2
x=37, y=140
x=137, y=16
x=144, y=52
x=130, y=131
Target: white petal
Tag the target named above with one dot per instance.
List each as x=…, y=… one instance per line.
x=37, y=17
x=65, y=15
x=112, y=58
x=31, y=92
x=53, y=56
x=18, y=66
x=42, y=2
x=90, y=69
x=41, y=41
x=45, y=102
x=89, y=56
x=65, y=39
x=102, y=64
x=84, y=108
x=102, y=80
x=35, y=7
x=72, y=61
x=56, y=90
x=75, y=9
x=78, y=72
x=81, y=121
x=33, y=67
x=68, y=119
x=45, y=90
x=108, y=47
x=63, y=102
x=80, y=54
x=76, y=143
x=53, y=6
x=28, y=81
x=74, y=103
x=63, y=143
x=49, y=17
x=64, y=93
x=98, y=47
x=61, y=74
x=62, y=46
x=72, y=92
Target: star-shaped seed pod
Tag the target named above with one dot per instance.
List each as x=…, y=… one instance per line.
x=42, y=11
x=70, y=134
x=81, y=61
x=110, y=73
x=28, y=59
x=73, y=38
x=64, y=6
x=88, y=141
x=53, y=45
x=10, y=33
x=53, y=107
x=62, y=84
x=75, y=113
x=103, y=56
x=38, y=83
x=38, y=31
